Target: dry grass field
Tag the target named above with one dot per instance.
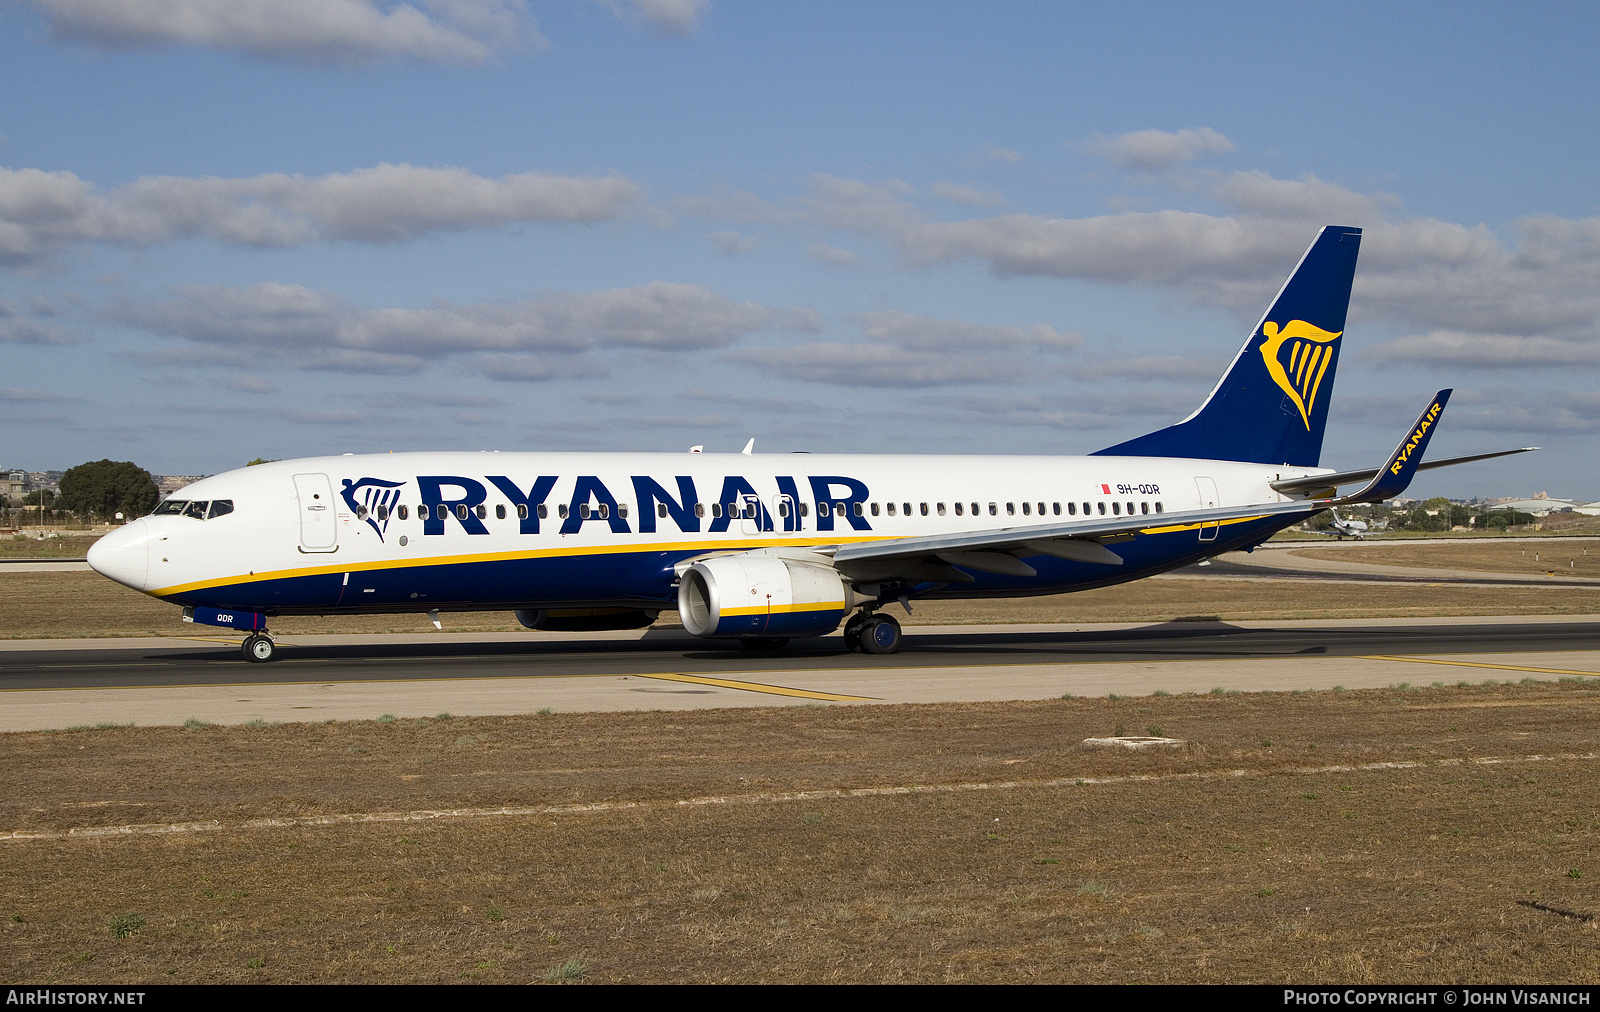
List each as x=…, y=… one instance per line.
x=1532, y=558
x=75, y=604
x=1440, y=834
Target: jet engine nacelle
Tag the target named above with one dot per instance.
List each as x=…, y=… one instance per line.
x=759, y=595
x=584, y=619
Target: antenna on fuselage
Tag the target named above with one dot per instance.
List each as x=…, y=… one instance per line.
x=749, y=447
x=697, y=449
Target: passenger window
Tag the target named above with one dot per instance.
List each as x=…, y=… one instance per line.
x=1116, y=508
x=906, y=507
x=403, y=513
x=716, y=509
x=383, y=511
x=1144, y=507
x=805, y=509
x=1072, y=508
x=1101, y=507
x=1158, y=507
x=461, y=511
x=622, y=510
x=891, y=509
x=220, y=507
x=699, y=509
x=661, y=510
x=522, y=510
x=874, y=509
x=858, y=509
x=783, y=508
x=583, y=511
x=1011, y=509
x=1055, y=508
x=975, y=509
x=500, y=511
x=1027, y=508
x=361, y=512
x=562, y=511
x=924, y=509
x=941, y=509
x=1130, y=509
x=196, y=510
x=958, y=509
x=422, y=512
x=482, y=511
x=1041, y=509
x=994, y=510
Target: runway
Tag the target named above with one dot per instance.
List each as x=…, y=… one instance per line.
x=167, y=681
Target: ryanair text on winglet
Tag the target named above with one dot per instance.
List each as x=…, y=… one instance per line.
x=1423, y=426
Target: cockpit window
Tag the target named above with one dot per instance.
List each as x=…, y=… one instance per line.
x=170, y=507
x=196, y=509
x=220, y=507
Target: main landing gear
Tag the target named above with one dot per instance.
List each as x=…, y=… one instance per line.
x=258, y=647
x=869, y=633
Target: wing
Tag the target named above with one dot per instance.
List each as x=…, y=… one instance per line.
x=936, y=557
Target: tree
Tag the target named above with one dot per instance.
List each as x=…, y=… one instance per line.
x=104, y=487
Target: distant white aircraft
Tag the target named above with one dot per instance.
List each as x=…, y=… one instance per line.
x=1342, y=528
x=761, y=548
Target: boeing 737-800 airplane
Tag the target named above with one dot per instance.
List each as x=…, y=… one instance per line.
x=769, y=547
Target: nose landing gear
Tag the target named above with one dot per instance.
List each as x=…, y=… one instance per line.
x=258, y=648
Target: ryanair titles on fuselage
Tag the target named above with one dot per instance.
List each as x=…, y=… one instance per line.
x=445, y=497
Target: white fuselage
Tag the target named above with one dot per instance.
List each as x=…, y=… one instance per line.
x=612, y=525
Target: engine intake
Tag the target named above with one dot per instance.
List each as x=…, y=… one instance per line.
x=754, y=595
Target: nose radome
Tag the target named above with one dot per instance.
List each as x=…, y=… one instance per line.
x=123, y=555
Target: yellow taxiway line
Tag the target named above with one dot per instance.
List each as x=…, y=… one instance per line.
x=776, y=690
x=1480, y=664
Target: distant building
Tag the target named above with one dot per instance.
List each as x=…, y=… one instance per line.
x=170, y=483
x=14, y=483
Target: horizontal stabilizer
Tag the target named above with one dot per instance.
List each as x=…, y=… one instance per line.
x=1319, y=482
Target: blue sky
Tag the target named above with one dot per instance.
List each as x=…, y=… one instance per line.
x=251, y=228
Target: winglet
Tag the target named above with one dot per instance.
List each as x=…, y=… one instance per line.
x=1395, y=475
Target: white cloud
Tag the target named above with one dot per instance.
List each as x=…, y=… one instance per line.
x=316, y=330
x=1171, y=368
x=43, y=212
x=958, y=193
x=928, y=333
x=667, y=17
x=1158, y=149
x=248, y=384
x=340, y=32
x=17, y=330
x=833, y=256
x=1486, y=351
x=999, y=154
x=859, y=206
x=902, y=350
x=877, y=365
x=25, y=394
x=732, y=243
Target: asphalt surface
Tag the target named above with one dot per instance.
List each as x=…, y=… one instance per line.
x=179, y=663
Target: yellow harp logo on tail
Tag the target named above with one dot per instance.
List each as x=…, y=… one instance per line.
x=1299, y=370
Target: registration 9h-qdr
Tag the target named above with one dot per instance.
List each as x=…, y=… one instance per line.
x=764, y=548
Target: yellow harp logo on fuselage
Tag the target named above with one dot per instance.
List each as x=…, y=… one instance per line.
x=1299, y=372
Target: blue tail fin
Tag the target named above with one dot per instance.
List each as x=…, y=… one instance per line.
x=1272, y=405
